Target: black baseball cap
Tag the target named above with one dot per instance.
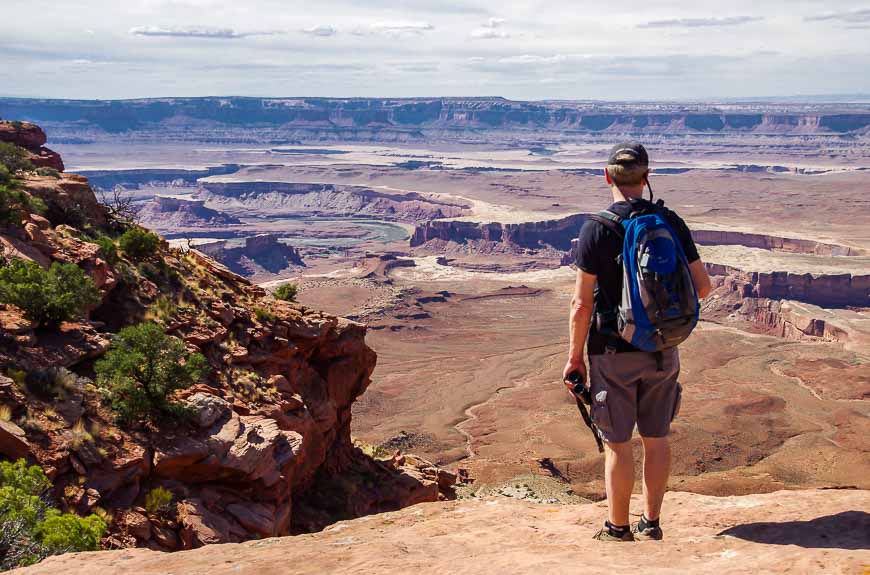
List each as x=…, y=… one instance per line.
x=628, y=154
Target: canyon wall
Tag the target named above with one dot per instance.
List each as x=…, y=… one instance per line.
x=331, y=200
x=420, y=118
x=557, y=233
x=750, y=240
x=832, y=291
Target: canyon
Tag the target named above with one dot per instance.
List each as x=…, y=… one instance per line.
x=445, y=226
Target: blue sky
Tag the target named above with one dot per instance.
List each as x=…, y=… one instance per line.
x=657, y=49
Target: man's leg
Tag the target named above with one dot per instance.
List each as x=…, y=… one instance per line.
x=656, y=469
x=618, y=480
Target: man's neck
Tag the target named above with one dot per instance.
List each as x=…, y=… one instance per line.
x=626, y=193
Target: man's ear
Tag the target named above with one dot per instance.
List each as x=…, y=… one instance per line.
x=607, y=177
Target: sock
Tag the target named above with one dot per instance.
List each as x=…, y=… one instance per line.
x=645, y=523
x=616, y=530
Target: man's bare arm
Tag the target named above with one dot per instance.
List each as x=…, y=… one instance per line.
x=579, y=320
x=700, y=278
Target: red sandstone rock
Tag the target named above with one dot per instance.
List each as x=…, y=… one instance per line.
x=23, y=134
x=822, y=531
x=13, y=441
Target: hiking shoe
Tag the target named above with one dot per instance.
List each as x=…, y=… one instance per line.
x=607, y=533
x=647, y=530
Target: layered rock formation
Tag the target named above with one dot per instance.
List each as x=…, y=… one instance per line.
x=822, y=531
x=169, y=214
x=762, y=241
x=264, y=251
x=31, y=138
x=300, y=199
x=420, y=118
x=823, y=290
x=270, y=422
x=555, y=234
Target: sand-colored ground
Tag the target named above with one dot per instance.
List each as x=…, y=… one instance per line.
x=785, y=532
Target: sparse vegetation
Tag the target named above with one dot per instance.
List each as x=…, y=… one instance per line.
x=142, y=370
x=286, y=292
x=263, y=315
x=16, y=204
x=14, y=157
x=157, y=500
x=108, y=249
x=139, y=244
x=45, y=171
x=30, y=529
x=47, y=297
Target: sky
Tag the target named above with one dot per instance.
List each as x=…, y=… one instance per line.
x=532, y=50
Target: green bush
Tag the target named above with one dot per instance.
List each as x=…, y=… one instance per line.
x=18, y=475
x=62, y=533
x=5, y=175
x=158, y=499
x=46, y=171
x=47, y=297
x=286, y=292
x=263, y=315
x=15, y=204
x=143, y=368
x=139, y=244
x=30, y=529
x=108, y=249
x=14, y=157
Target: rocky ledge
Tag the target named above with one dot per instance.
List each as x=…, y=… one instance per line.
x=264, y=447
x=824, y=531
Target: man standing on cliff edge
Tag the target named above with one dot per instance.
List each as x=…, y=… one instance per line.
x=630, y=386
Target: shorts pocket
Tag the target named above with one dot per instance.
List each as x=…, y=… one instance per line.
x=601, y=412
x=678, y=402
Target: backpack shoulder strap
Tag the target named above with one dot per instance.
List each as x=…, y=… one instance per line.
x=610, y=221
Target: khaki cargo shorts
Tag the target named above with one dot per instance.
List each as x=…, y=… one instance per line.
x=627, y=389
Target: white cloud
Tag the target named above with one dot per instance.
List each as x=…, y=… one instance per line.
x=322, y=30
x=701, y=22
x=195, y=32
x=490, y=30
x=400, y=27
x=849, y=17
x=489, y=34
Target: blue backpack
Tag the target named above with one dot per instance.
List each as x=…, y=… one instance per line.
x=659, y=305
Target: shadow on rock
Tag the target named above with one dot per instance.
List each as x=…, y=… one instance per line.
x=846, y=530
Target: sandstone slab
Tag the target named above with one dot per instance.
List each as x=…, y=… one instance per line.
x=821, y=531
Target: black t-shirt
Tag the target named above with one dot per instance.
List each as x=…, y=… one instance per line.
x=597, y=254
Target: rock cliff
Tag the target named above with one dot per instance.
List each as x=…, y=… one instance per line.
x=267, y=448
x=554, y=234
x=426, y=118
x=839, y=290
x=171, y=214
x=301, y=199
x=822, y=531
x=263, y=251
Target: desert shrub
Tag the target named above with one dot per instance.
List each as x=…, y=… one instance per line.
x=5, y=175
x=164, y=309
x=286, y=292
x=47, y=297
x=143, y=368
x=15, y=204
x=139, y=244
x=31, y=529
x=108, y=249
x=263, y=315
x=14, y=157
x=27, y=478
x=46, y=171
x=62, y=533
x=157, y=500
